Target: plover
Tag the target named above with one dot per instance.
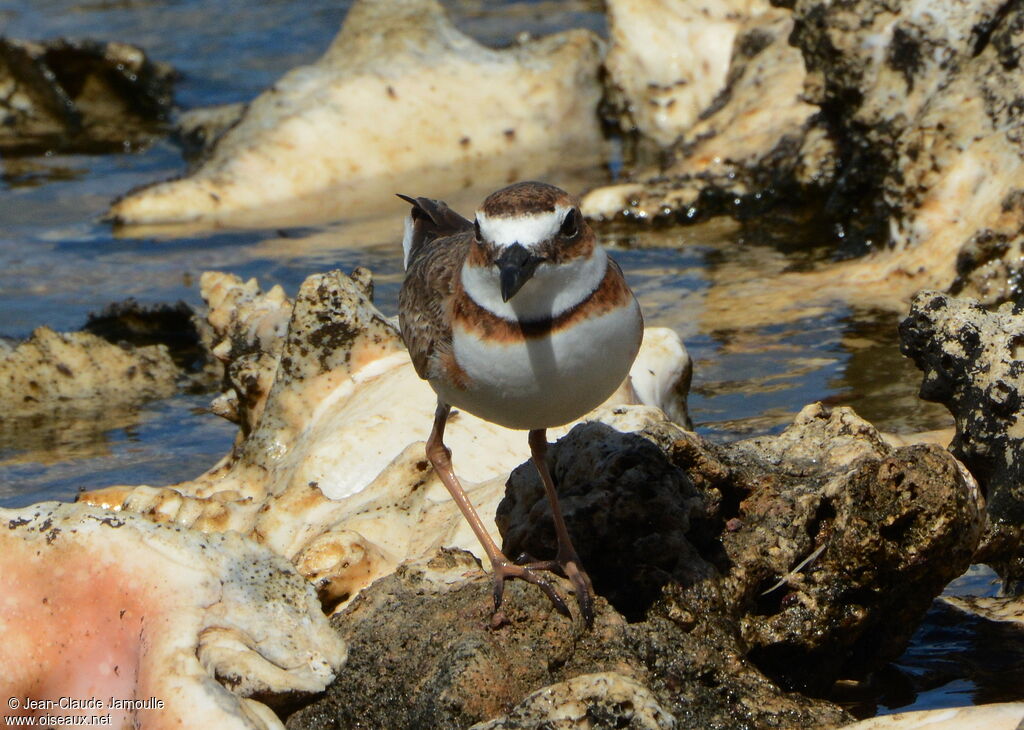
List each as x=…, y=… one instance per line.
x=522, y=319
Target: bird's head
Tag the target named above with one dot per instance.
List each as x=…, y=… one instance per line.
x=524, y=226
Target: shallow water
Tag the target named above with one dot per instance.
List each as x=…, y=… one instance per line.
x=60, y=262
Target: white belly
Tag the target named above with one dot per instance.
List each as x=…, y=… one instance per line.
x=546, y=381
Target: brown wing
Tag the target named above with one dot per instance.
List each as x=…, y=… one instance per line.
x=424, y=299
x=431, y=219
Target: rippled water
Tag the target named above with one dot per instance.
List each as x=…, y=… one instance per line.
x=60, y=262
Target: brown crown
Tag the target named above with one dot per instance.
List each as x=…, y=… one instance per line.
x=524, y=198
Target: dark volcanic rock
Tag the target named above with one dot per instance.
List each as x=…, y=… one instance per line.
x=423, y=653
x=627, y=507
x=79, y=96
x=883, y=530
x=973, y=363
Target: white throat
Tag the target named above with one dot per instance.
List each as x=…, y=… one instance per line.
x=552, y=290
x=526, y=230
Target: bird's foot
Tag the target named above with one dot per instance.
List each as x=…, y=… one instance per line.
x=568, y=566
x=505, y=570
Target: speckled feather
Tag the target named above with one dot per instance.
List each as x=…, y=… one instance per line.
x=441, y=240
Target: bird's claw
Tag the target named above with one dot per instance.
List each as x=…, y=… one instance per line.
x=567, y=568
x=584, y=590
x=505, y=571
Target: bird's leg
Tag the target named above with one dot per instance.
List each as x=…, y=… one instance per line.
x=441, y=459
x=566, y=560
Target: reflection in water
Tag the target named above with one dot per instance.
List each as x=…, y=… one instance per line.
x=161, y=443
x=957, y=659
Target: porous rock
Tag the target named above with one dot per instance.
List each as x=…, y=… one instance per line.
x=720, y=87
x=726, y=576
x=827, y=543
x=861, y=536
x=53, y=372
x=921, y=100
x=910, y=152
x=424, y=635
x=178, y=326
x=401, y=93
x=79, y=96
x=628, y=507
x=973, y=363
x=100, y=604
x=602, y=699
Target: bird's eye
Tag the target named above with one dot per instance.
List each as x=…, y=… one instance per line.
x=476, y=229
x=571, y=224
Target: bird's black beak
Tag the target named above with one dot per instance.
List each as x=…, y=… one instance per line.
x=516, y=265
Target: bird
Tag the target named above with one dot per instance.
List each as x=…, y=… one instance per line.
x=521, y=318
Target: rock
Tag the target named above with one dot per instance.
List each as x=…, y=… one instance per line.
x=1008, y=609
x=669, y=60
x=1002, y=716
x=99, y=604
x=329, y=469
x=854, y=530
x=921, y=103
x=79, y=96
x=893, y=525
x=605, y=699
x=626, y=506
x=52, y=373
x=905, y=141
x=424, y=634
x=827, y=543
x=174, y=325
x=401, y=93
x=720, y=82
x=199, y=129
x=973, y=363
x=64, y=391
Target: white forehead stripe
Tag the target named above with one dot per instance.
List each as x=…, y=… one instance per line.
x=524, y=229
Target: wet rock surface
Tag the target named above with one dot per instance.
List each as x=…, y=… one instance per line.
x=739, y=136
x=898, y=126
x=80, y=96
x=53, y=372
x=973, y=363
